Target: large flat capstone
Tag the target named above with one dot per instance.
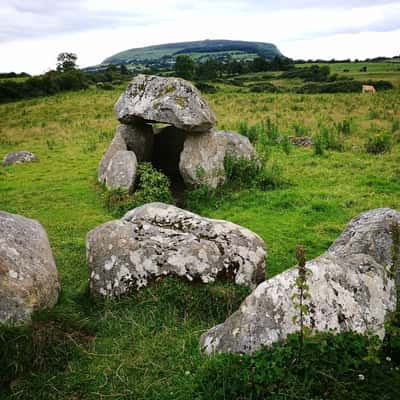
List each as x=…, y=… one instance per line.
x=172, y=101
x=158, y=239
x=351, y=289
x=28, y=274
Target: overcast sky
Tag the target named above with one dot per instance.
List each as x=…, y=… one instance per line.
x=33, y=32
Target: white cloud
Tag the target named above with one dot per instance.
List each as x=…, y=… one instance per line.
x=342, y=46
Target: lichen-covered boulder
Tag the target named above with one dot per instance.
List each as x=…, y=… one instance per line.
x=19, y=157
x=202, y=159
x=238, y=146
x=121, y=171
x=28, y=274
x=158, y=239
x=139, y=138
x=167, y=100
x=351, y=289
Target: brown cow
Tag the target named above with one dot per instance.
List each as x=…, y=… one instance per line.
x=368, y=89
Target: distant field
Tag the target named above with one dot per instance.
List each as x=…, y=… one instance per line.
x=375, y=70
x=146, y=346
x=19, y=79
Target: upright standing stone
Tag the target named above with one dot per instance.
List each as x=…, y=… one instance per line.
x=203, y=156
x=121, y=171
x=117, y=144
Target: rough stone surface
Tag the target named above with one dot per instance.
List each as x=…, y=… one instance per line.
x=19, y=157
x=202, y=158
x=139, y=138
x=121, y=171
x=117, y=144
x=28, y=274
x=350, y=287
x=167, y=100
x=158, y=239
x=237, y=145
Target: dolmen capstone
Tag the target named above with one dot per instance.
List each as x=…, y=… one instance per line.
x=188, y=146
x=351, y=289
x=156, y=240
x=28, y=274
x=19, y=157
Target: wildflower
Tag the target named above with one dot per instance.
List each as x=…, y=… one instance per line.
x=361, y=377
x=187, y=373
x=388, y=359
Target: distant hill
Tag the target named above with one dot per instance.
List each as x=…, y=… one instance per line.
x=164, y=55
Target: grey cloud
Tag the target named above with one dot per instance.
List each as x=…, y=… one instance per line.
x=42, y=7
x=41, y=18
x=303, y=4
x=46, y=17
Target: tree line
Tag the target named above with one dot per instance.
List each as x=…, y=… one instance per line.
x=187, y=68
x=65, y=77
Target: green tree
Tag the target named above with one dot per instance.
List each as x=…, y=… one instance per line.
x=185, y=67
x=208, y=70
x=66, y=62
x=123, y=69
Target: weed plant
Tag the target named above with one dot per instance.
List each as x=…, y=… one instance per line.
x=152, y=186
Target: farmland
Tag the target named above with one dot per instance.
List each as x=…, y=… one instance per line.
x=146, y=346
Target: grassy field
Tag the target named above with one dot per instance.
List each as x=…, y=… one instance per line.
x=146, y=346
x=375, y=70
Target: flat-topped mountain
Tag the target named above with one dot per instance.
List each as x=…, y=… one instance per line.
x=165, y=54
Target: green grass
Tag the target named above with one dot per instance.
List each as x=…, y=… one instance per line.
x=375, y=70
x=146, y=346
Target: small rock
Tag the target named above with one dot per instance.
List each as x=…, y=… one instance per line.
x=28, y=274
x=19, y=157
x=301, y=141
x=158, y=239
x=121, y=171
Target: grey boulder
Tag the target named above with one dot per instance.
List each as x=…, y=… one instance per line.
x=172, y=101
x=19, y=157
x=351, y=289
x=138, y=138
x=202, y=159
x=117, y=144
x=121, y=171
x=158, y=239
x=28, y=274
